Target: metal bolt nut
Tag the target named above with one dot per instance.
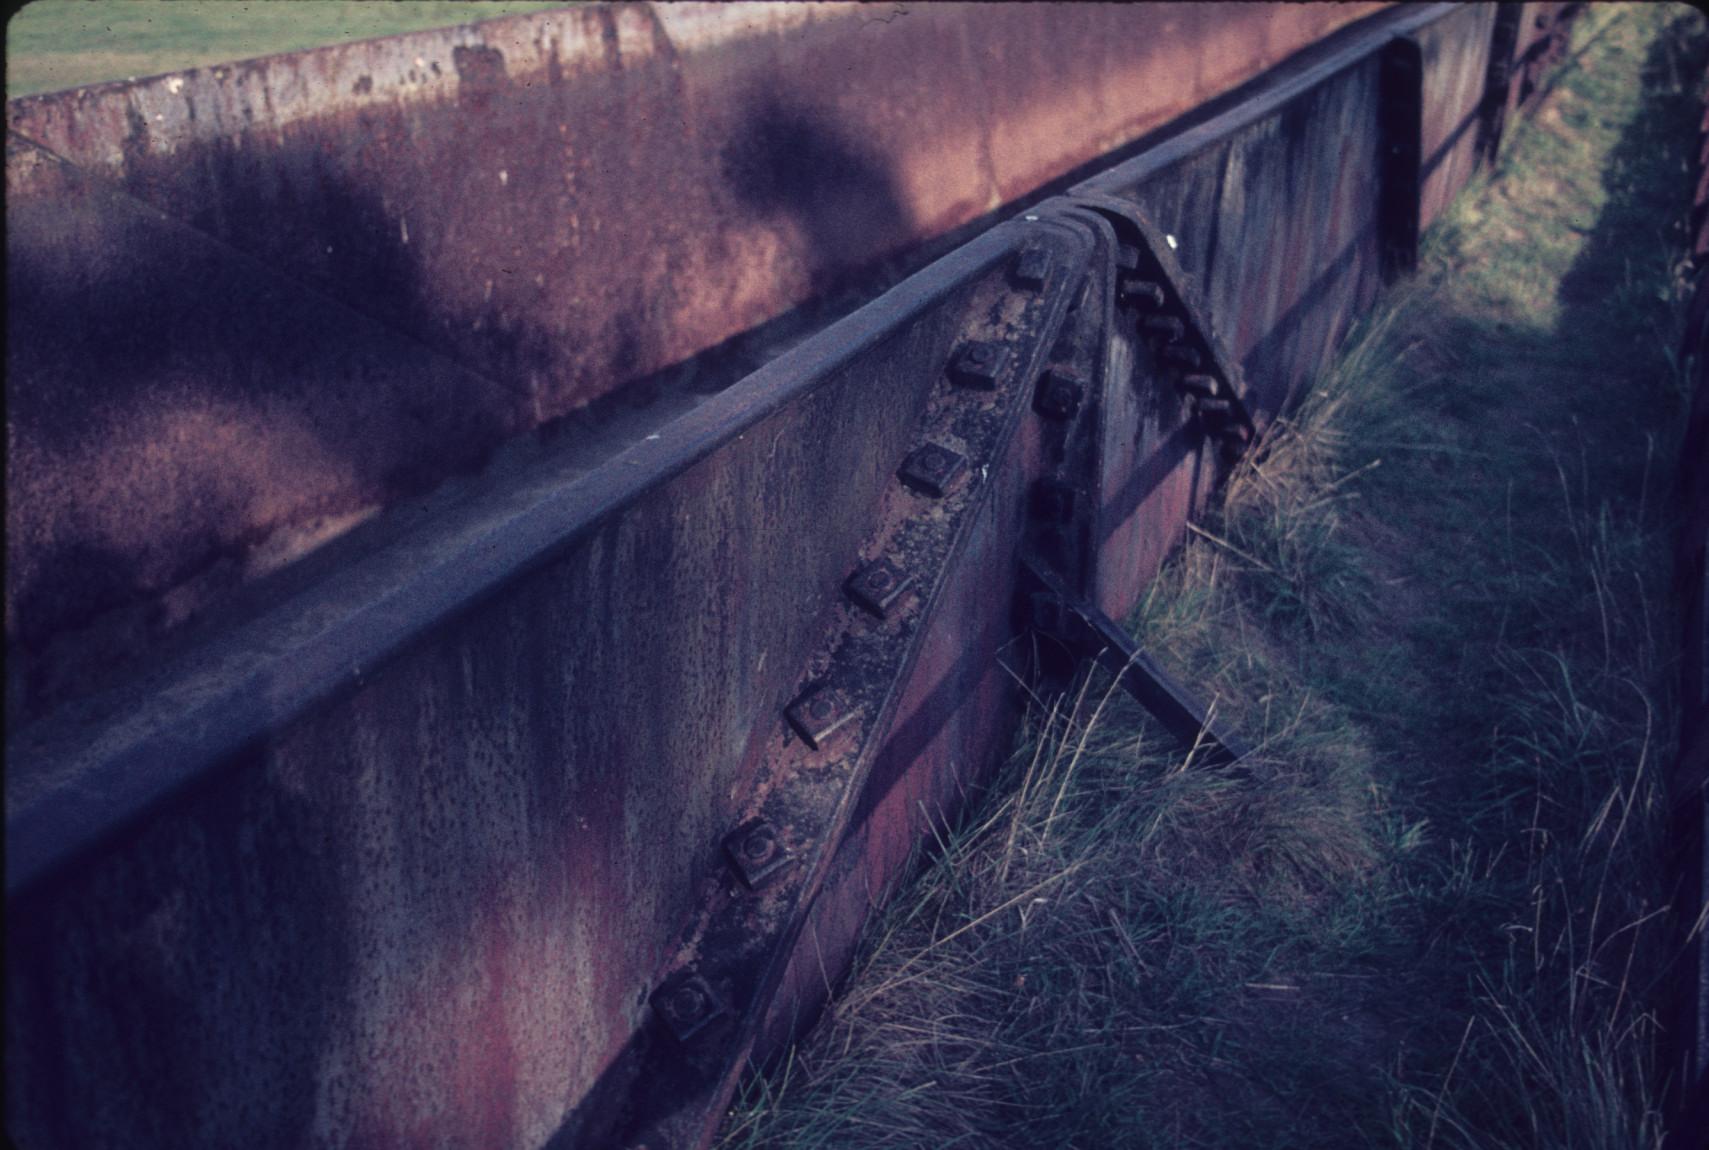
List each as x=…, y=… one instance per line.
x=877, y=586
x=755, y=852
x=1181, y=355
x=1032, y=267
x=979, y=364
x=1142, y=293
x=1059, y=395
x=931, y=469
x=1167, y=327
x=820, y=713
x=1199, y=384
x=686, y=1004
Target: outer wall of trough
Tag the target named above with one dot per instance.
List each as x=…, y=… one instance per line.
x=557, y=205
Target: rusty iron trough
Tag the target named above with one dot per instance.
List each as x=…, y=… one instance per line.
x=531, y=810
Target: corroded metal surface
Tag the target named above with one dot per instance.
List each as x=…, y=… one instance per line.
x=403, y=857
x=561, y=204
x=441, y=898
x=1455, y=54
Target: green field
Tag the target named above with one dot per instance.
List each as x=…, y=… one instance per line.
x=55, y=44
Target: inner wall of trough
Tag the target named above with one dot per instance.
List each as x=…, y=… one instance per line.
x=251, y=305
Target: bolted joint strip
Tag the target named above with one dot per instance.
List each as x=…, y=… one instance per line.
x=687, y=1004
x=877, y=586
x=1059, y=394
x=756, y=852
x=820, y=715
x=978, y=364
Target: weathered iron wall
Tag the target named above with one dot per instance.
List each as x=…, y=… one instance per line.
x=1455, y=54
x=398, y=859
x=558, y=204
x=430, y=911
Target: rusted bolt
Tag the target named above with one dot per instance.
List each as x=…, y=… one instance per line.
x=931, y=469
x=820, y=713
x=1181, y=355
x=877, y=586
x=1166, y=326
x=1032, y=267
x=686, y=1004
x=755, y=852
x=1199, y=384
x=1142, y=293
x=1059, y=395
x=979, y=364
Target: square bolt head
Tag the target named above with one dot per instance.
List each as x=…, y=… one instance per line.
x=1031, y=267
x=978, y=363
x=1127, y=258
x=931, y=469
x=819, y=714
x=1141, y=293
x=1199, y=385
x=878, y=586
x=1059, y=394
x=1181, y=355
x=1167, y=327
x=755, y=852
x=1053, y=501
x=686, y=1004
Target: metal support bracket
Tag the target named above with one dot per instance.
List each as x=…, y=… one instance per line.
x=1174, y=317
x=1059, y=613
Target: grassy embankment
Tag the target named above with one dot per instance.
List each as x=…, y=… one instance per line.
x=1432, y=914
x=54, y=44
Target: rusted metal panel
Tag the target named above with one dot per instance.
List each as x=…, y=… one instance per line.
x=1455, y=54
x=440, y=895
x=396, y=858
x=182, y=419
x=560, y=203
